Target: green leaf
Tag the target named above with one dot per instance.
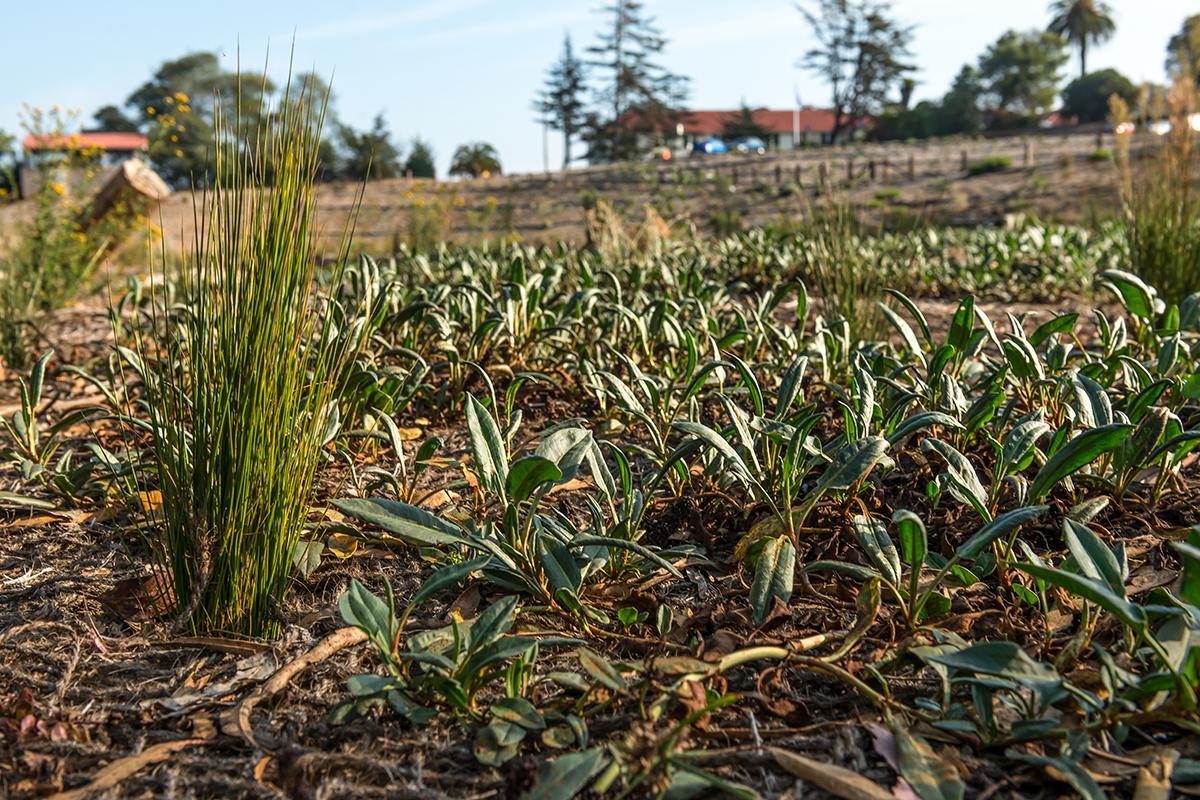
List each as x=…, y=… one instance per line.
x=873, y=536
x=519, y=711
x=363, y=610
x=963, y=480
x=603, y=672
x=1094, y=558
x=1093, y=590
x=495, y=621
x=527, y=475
x=717, y=442
x=1060, y=324
x=565, y=777
x=922, y=420
x=498, y=742
x=1000, y=526
x=1189, y=581
x=852, y=463
x=491, y=457
x=962, y=325
x=1005, y=660
x=773, y=576
x=1076, y=454
x=914, y=541
x=559, y=565
x=408, y=523
x=566, y=448
x=446, y=577
x=1138, y=297
x=931, y=776
x=1019, y=443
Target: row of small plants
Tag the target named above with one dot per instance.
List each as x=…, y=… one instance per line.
x=561, y=403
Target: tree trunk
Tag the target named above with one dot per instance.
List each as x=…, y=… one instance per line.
x=1083, y=58
x=566, y=150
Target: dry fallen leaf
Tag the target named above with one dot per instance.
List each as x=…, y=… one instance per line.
x=150, y=501
x=836, y=780
x=342, y=545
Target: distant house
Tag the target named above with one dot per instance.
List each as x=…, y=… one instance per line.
x=785, y=129
x=115, y=148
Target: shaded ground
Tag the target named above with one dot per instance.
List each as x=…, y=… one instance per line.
x=87, y=678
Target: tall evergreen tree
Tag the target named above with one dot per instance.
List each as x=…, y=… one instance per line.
x=861, y=52
x=370, y=153
x=1081, y=23
x=637, y=96
x=1183, y=50
x=560, y=105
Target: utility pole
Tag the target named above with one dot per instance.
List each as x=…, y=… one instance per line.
x=545, y=147
x=796, y=119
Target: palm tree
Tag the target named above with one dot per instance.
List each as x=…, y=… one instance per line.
x=1082, y=22
x=475, y=159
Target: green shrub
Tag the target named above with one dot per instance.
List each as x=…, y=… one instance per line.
x=889, y=195
x=989, y=165
x=1101, y=154
x=52, y=256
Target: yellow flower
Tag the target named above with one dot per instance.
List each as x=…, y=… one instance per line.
x=150, y=110
x=184, y=108
x=179, y=154
x=58, y=189
x=169, y=100
x=181, y=97
x=174, y=138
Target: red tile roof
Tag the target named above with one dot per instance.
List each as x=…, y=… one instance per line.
x=712, y=123
x=105, y=140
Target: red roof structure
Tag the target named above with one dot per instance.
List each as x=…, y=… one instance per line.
x=104, y=140
x=712, y=123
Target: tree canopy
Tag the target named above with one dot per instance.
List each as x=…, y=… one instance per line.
x=560, y=105
x=636, y=97
x=1020, y=73
x=474, y=160
x=1087, y=98
x=861, y=53
x=1082, y=23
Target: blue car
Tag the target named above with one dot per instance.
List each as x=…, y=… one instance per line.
x=709, y=147
x=749, y=144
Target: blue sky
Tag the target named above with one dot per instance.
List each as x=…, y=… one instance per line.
x=464, y=70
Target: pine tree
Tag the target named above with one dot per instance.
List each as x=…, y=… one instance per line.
x=637, y=95
x=560, y=104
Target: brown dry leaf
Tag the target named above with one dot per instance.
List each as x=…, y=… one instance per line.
x=342, y=545
x=106, y=514
x=573, y=485
x=838, y=781
x=117, y=771
x=410, y=434
x=33, y=522
x=150, y=501
x=260, y=768
x=439, y=498
x=466, y=604
x=1154, y=779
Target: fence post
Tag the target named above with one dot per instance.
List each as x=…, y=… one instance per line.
x=849, y=170
x=871, y=170
x=778, y=174
x=912, y=166
x=1028, y=151
x=822, y=174
x=964, y=160
x=797, y=171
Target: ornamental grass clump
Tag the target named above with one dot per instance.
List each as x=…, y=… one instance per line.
x=240, y=385
x=1158, y=193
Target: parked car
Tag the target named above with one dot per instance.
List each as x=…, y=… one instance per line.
x=709, y=147
x=749, y=144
